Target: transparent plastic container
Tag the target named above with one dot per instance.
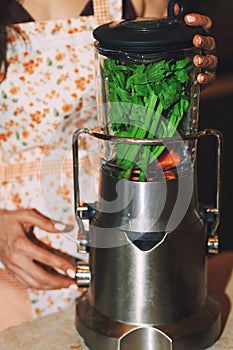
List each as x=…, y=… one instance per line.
x=147, y=98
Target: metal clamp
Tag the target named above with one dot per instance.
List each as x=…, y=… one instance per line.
x=85, y=211
x=212, y=213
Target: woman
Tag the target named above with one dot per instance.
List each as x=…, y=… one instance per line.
x=47, y=92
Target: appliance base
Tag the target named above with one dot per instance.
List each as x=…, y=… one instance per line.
x=197, y=332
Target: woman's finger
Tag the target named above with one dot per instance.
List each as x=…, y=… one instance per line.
x=38, y=278
x=206, y=43
x=196, y=19
x=206, y=77
x=207, y=61
x=23, y=277
x=31, y=217
x=23, y=247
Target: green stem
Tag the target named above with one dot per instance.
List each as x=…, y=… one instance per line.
x=147, y=152
x=128, y=154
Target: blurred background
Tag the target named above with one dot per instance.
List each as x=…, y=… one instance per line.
x=216, y=111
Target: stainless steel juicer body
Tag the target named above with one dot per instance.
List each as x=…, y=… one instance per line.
x=148, y=235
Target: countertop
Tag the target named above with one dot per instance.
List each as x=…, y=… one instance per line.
x=57, y=331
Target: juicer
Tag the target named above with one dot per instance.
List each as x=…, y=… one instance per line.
x=148, y=236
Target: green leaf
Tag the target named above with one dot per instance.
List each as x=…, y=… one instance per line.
x=138, y=95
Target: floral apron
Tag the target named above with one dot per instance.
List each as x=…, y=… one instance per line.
x=47, y=95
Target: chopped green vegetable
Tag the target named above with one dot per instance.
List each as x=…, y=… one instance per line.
x=146, y=101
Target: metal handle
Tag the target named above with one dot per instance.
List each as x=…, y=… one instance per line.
x=214, y=212
x=81, y=212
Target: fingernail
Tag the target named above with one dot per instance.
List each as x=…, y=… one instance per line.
x=190, y=19
x=59, y=226
x=60, y=271
x=73, y=286
x=201, y=78
x=199, y=60
x=70, y=273
x=199, y=39
x=62, y=227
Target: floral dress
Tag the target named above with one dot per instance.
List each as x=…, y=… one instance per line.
x=47, y=95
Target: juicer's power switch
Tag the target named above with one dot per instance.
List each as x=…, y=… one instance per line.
x=83, y=274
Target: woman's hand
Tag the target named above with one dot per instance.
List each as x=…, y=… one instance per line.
x=208, y=61
x=18, y=253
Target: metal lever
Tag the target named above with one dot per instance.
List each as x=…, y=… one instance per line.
x=212, y=214
x=213, y=238
x=85, y=211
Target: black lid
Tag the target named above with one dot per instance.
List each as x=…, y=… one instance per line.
x=146, y=35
